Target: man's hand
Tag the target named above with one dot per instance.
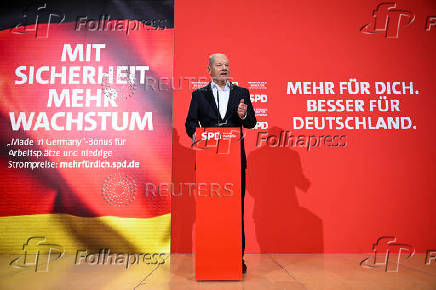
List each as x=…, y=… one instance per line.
x=242, y=109
x=193, y=137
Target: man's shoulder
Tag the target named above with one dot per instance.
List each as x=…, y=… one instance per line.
x=201, y=90
x=233, y=86
x=239, y=88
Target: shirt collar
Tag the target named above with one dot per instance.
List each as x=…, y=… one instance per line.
x=215, y=86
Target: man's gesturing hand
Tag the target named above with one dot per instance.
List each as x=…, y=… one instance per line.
x=242, y=109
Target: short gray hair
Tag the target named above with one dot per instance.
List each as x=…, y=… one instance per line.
x=212, y=57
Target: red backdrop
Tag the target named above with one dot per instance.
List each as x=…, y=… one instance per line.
x=328, y=199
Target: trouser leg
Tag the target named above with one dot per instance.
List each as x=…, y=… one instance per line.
x=242, y=199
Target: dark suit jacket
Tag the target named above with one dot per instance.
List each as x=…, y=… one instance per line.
x=203, y=111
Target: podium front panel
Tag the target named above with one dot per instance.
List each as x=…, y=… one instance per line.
x=218, y=229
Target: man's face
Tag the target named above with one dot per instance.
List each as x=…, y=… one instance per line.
x=220, y=70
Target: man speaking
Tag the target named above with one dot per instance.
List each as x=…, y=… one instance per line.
x=222, y=104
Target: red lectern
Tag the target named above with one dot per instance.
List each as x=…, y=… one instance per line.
x=218, y=234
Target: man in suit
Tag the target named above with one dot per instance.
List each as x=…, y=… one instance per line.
x=222, y=104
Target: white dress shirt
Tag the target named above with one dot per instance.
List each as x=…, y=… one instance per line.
x=224, y=95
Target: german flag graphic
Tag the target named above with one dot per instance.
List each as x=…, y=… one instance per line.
x=84, y=125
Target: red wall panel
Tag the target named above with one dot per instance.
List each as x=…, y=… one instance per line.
x=327, y=199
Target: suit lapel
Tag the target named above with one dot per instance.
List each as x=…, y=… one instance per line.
x=230, y=104
x=211, y=99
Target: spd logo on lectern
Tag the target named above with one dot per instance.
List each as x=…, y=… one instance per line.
x=219, y=140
